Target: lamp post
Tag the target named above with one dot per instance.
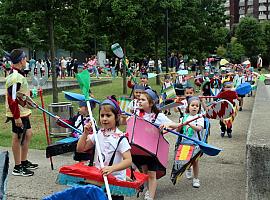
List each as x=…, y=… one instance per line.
x=167, y=40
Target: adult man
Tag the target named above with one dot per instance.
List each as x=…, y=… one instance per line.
x=19, y=114
x=259, y=63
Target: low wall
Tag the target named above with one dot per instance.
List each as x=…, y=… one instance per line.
x=258, y=147
x=61, y=85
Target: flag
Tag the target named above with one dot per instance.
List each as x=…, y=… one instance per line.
x=84, y=81
x=262, y=77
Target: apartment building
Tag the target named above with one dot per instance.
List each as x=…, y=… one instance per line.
x=236, y=9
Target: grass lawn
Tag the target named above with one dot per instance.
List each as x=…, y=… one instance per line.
x=39, y=138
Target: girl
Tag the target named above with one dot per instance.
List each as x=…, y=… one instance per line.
x=238, y=80
x=192, y=130
x=134, y=104
x=149, y=111
x=108, y=137
x=166, y=84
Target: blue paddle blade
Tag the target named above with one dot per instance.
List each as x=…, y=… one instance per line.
x=77, y=97
x=244, y=88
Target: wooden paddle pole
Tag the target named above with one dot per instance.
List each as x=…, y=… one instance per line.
x=45, y=124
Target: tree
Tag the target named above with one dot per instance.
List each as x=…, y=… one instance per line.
x=249, y=33
x=236, y=51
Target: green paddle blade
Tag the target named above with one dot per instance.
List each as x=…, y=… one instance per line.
x=84, y=81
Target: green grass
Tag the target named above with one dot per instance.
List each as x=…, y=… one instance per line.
x=39, y=137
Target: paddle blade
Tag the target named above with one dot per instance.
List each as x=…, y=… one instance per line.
x=84, y=81
x=151, y=75
x=182, y=72
x=208, y=149
x=78, y=97
x=220, y=110
x=244, y=88
x=117, y=50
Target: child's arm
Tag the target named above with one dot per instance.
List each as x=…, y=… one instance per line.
x=125, y=163
x=195, y=128
x=84, y=142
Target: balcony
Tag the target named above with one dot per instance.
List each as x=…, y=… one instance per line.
x=262, y=17
x=262, y=8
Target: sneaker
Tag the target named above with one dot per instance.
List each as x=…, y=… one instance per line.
x=169, y=113
x=29, y=165
x=229, y=134
x=147, y=194
x=240, y=109
x=22, y=172
x=196, y=183
x=189, y=173
x=222, y=134
x=165, y=112
x=148, y=198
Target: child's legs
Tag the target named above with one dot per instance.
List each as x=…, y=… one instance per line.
x=222, y=126
x=195, y=167
x=152, y=183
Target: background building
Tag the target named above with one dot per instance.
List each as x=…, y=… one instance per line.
x=236, y=9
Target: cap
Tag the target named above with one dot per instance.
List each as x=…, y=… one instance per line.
x=144, y=75
x=153, y=95
x=139, y=87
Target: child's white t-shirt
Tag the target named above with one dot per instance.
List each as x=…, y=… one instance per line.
x=160, y=119
x=108, y=144
x=197, y=122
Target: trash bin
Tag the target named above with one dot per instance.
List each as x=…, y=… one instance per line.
x=65, y=111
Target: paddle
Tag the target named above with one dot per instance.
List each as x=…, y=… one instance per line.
x=83, y=79
x=219, y=110
x=30, y=102
x=244, y=88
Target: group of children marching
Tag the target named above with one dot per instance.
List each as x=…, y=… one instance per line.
x=145, y=105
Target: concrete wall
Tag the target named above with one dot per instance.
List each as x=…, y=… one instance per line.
x=258, y=147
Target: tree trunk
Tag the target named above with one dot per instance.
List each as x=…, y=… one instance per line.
x=156, y=61
x=124, y=69
x=53, y=67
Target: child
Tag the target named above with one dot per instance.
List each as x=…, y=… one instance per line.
x=238, y=80
x=149, y=111
x=108, y=137
x=134, y=104
x=192, y=130
x=143, y=79
x=189, y=92
x=230, y=95
x=166, y=84
x=78, y=121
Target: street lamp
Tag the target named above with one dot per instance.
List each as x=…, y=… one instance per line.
x=167, y=40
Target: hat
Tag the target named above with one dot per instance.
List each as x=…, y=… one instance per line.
x=144, y=75
x=139, y=87
x=228, y=84
x=153, y=95
x=82, y=103
x=113, y=103
x=15, y=56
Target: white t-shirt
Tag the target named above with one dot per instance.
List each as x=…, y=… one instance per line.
x=133, y=105
x=197, y=122
x=108, y=143
x=160, y=119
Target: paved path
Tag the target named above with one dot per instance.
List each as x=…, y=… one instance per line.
x=222, y=177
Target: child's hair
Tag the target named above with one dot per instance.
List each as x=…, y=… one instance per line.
x=111, y=104
x=190, y=87
x=190, y=99
x=152, y=98
x=16, y=55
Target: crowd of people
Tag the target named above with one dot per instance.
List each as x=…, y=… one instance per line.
x=216, y=82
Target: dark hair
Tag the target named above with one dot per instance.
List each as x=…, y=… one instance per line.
x=189, y=87
x=154, y=108
x=15, y=55
x=114, y=111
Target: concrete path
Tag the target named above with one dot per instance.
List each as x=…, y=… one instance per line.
x=222, y=177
